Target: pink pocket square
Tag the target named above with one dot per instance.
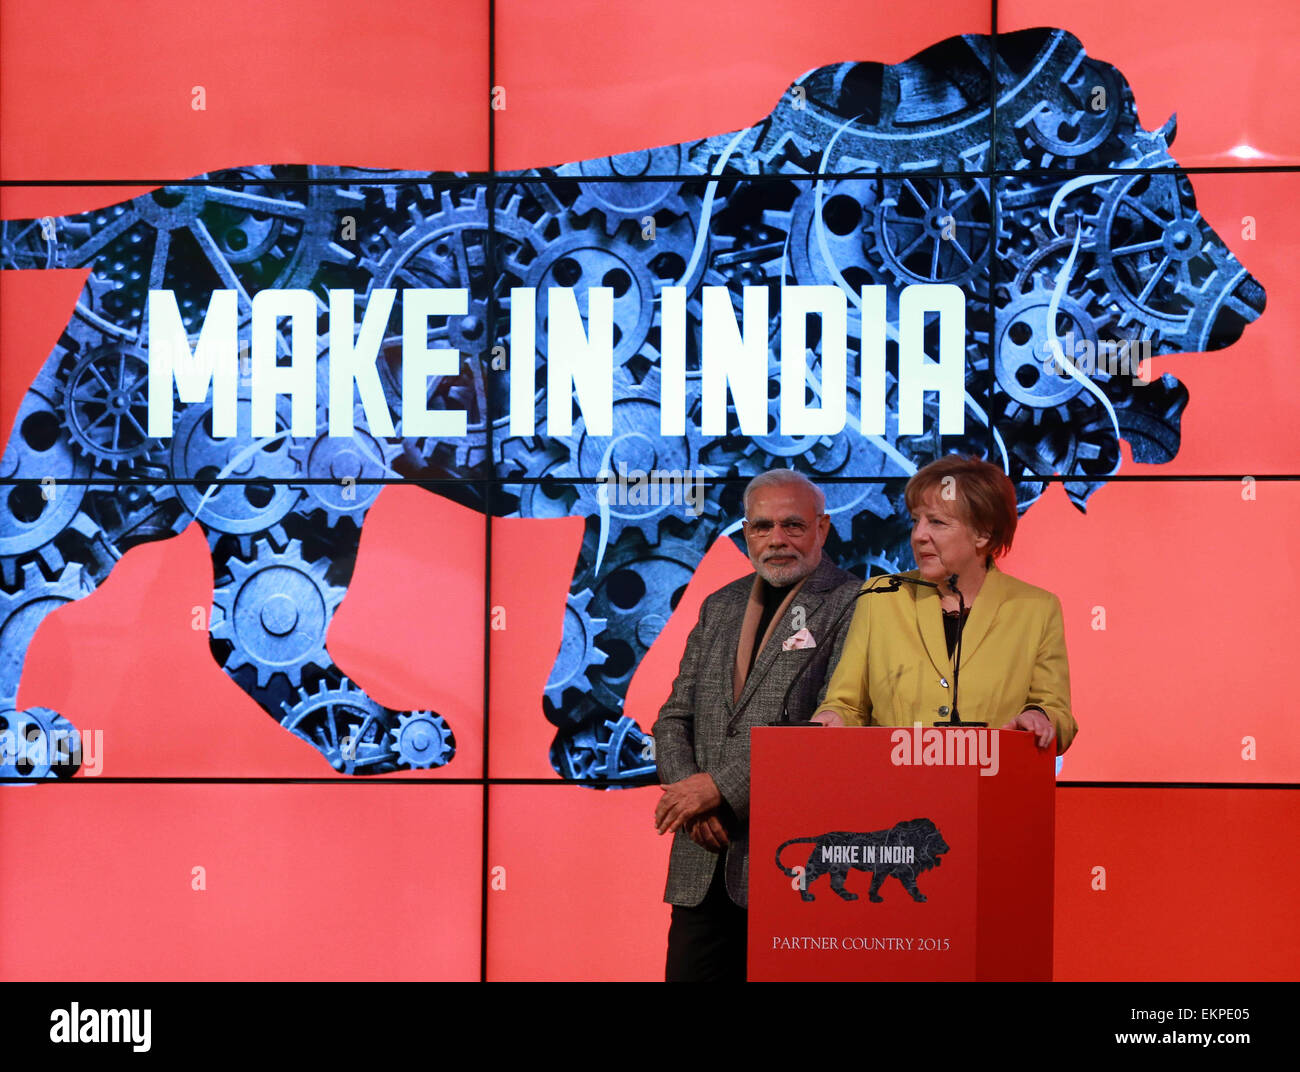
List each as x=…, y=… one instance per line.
x=801, y=639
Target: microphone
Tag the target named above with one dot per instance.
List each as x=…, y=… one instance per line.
x=953, y=718
x=895, y=582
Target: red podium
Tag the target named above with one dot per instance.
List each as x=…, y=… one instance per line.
x=909, y=854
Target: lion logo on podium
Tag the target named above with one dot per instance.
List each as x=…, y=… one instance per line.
x=905, y=851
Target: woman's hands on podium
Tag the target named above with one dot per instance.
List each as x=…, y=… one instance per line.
x=1033, y=719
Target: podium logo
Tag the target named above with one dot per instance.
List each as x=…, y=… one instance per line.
x=939, y=747
x=905, y=850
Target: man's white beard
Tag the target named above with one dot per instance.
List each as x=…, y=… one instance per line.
x=789, y=573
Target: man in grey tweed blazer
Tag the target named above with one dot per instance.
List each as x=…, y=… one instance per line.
x=760, y=643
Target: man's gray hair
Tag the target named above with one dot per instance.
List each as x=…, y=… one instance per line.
x=774, y=477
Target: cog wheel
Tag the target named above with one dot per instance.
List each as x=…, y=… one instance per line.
x=22, y=612
x=27, y=244
x=34, y=513
x=931, y=230
x=638, y=450
x=928, y=112
x=869, y=562
x=251, y=229
x=1022, y=360
x=1049, y=446
x=275, y=611
x=638, y=195
x=1150, y=256
x=126, y=514
x=578, y=649
x=529, y=473
x=1082, y=113
x=345, y=725
x=851, y=458
x=581, y=255
x=422, y=740
x=635, y=592
x=106, y=405
x=36, y=744
x=447, y=244
x=572, y=756
x=623, y=753
x=1228, y=300
x=351, y=463
x=751, y=239
x=1169, y=274
x=611, y=750
x=846, y=208
x=240, y=510
x=1040, y=254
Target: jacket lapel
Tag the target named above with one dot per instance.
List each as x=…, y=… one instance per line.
x=748, y=638
x=736, y=612
x=810, y=595
x=992, y=593
x=929, y=621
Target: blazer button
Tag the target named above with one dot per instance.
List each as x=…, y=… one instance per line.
x=943, y=711
x=731, y=731
x=943, y=682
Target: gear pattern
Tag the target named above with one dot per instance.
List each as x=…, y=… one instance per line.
x=358, y=736
x=422, y=739
x=37, y=743
x=273, y=611
x=30, y=749
x=341, y=471
x=863, y=174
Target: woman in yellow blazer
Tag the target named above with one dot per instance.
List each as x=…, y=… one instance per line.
x=896, y=667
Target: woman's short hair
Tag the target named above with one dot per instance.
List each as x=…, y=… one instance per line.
x=982, y=494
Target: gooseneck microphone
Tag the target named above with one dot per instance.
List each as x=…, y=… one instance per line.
x=954, y=719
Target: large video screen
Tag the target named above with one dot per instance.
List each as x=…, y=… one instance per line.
x=377, y=408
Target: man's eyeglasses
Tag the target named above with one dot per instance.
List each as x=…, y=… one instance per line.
x=793, y=527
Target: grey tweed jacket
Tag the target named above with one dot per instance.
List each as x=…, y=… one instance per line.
x=700, y=728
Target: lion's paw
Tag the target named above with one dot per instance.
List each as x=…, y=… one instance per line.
x=37, y=743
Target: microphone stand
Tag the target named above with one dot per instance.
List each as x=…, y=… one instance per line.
x=954, y=719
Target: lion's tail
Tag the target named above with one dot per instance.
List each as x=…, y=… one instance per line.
x=786, y=844
x=32, y=243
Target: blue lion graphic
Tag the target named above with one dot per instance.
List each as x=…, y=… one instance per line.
x=1064, y=223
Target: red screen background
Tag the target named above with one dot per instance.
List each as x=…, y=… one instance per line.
x=1197, y=581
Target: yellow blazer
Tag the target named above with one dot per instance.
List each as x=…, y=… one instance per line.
x=895, y=668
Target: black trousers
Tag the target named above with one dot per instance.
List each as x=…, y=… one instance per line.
x=706, y=944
